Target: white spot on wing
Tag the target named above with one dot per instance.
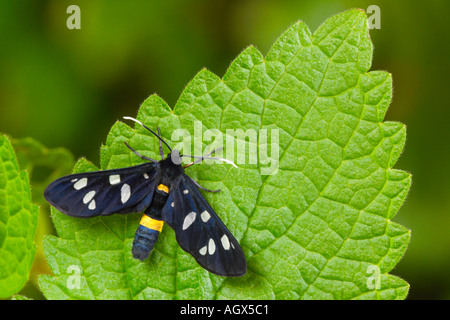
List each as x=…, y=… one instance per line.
x=202, y=251
x=205, y=216
x=125, y=193
x=211, y=246
x=80, y=184
x=188, y=220
x=186, y=191
x=74, y=180
x=92, y=205
x=225, y=242
x=146, y=176
x=172, y=204
x=114, y=179
x=88, y=197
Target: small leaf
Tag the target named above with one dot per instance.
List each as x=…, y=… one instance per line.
x=43, y=165
x=318, y=228
x=18, y=221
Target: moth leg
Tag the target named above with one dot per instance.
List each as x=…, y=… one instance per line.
x=200, y=187
x=161, y=152
x=140, y=155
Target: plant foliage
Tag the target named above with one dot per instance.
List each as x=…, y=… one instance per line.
x=320, y=228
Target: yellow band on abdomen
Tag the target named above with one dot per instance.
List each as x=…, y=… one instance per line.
x=150, y=223
x=163, y=188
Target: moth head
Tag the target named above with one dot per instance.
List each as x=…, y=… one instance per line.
x=175, y=157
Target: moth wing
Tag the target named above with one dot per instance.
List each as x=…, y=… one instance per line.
x=104, y=192
x=200, y=232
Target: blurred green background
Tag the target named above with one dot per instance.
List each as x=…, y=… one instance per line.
x=66, y=88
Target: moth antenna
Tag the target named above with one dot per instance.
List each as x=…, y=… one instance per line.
x=211, y=158
x=218, y=149
x=200, y=160
x=154, y=133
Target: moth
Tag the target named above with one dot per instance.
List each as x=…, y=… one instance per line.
x=166, y=194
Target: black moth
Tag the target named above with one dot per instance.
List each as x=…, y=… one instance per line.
x=166, y=194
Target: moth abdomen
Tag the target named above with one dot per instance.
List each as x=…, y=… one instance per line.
x=146, y=237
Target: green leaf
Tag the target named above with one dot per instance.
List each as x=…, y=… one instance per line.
x=318, y=227
x=18, y=221
x=43, y=165
x=19, y=297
